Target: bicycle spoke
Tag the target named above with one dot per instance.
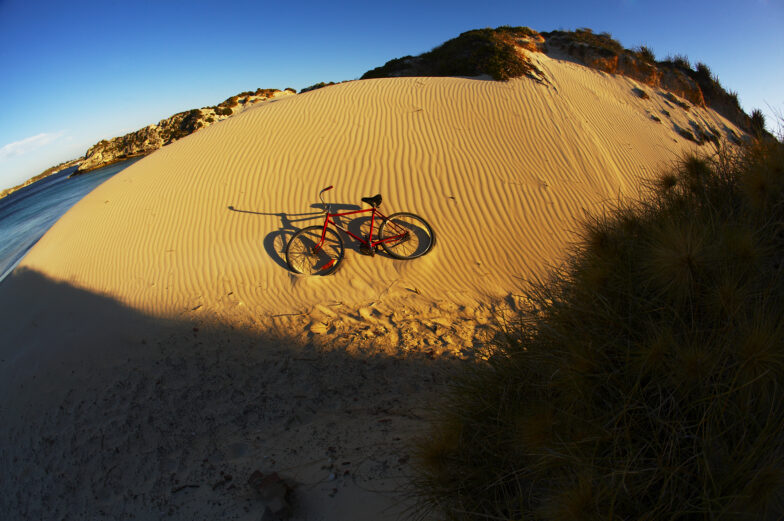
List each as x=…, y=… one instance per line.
x=406, y=236
x=305, y=256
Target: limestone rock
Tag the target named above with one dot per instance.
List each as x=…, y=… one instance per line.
x=153, y=137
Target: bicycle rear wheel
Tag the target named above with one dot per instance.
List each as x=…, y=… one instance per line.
x=406, y=236
x=302, y=257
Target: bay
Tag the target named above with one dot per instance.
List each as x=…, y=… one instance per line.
x=27, y=214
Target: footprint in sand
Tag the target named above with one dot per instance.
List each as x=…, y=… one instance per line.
x=366, y=313
x=318, y=328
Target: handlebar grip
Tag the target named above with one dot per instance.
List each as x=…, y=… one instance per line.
x=327, y=188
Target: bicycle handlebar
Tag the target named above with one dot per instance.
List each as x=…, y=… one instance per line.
x=321, y=193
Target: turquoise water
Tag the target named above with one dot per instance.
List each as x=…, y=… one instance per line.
x=27, y=214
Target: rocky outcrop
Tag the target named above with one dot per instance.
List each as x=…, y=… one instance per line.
x=153, y=137
x=600, y=51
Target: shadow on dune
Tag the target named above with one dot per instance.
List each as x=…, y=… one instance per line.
x=109, y=413
x=275, y=242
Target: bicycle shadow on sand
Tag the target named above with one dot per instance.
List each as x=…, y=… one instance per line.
x=275, y=242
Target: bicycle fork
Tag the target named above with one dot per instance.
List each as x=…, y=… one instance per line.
x=318, y=247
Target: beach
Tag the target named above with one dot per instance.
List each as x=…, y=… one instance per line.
x=159, y=351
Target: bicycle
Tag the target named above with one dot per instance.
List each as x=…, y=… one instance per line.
x=318, y=249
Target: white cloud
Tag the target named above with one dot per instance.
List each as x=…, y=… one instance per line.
x=24, y=146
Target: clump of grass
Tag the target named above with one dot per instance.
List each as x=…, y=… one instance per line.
x=758, y=123
x=645, y=54
x=723, y=101
x=644, y=381
x=679, y=61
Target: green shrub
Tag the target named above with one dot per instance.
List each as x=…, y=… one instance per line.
x=267, y=93
x=190, y=122
x=644, y=379
x=601, y=41
x=516, y=31
x=318, y=85
x=473, y=53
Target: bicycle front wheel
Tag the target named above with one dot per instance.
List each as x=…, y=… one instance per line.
x=406, y=236
x=303, y=257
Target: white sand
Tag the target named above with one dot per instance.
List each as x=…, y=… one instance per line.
x=154, y=338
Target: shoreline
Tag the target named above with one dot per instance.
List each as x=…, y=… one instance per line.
x=78, y=172
x=43, y=175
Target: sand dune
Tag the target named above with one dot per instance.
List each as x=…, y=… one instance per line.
x=195, y=232
x=501, y=170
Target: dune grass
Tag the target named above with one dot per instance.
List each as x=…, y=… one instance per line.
x=645, y=379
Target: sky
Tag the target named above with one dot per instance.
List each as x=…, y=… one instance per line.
x=73, y=73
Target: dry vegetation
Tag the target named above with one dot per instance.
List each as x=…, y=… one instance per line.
x=644, y=381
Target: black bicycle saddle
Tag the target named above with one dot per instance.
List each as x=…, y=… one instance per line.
x=374, y=201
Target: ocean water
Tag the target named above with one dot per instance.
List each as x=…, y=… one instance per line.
x=27, y=214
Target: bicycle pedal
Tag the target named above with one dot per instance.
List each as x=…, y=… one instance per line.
x=366, y=250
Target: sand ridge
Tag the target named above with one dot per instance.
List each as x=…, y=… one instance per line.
x=191, y=240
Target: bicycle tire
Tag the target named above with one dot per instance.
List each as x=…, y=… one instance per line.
x=418, y=236
x=301, y=258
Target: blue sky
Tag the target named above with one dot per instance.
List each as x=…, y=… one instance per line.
x=76, y=72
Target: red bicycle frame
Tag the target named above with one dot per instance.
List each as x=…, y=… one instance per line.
x=369, y=242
